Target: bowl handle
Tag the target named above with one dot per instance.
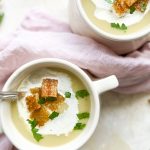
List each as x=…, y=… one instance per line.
x=106, y=84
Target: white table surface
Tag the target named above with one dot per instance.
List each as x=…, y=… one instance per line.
x=125, y=119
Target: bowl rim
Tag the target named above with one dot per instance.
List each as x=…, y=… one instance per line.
x=89, y=82
x=133, y=36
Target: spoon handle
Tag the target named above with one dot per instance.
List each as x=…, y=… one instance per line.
x=10, y=96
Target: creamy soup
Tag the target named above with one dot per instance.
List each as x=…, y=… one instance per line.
x=63, y=124
x=101, y=13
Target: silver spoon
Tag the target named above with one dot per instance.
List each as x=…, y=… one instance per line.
x=11, y=96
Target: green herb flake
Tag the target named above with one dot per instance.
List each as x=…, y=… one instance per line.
x=110, y=1
x=51, y=98
x=36, y=135
x=79, y=126
x=33, y=123
x=143, y=7
x=123, y=27
x=1, y=17
x=53, y=115
x=83, y=115
x=118, y=26
x=67, y=94
x=132, y=9
x=41, y=100
x=34, y=130
x=82, y=94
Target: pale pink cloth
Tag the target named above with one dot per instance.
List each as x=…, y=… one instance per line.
x=42, y=36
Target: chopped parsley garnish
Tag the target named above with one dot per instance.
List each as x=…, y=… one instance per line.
x=118, y=26
x=41, y=100
x=132, y=9
x=34, y=130
x=36, y=135
x=82, y=94
x=79, y=126
x=51, y=98
x=53, y=115
x=67, y=94
x=83, y=115
x=109, y=1
x=1, y=17
x=33, y=123
x=143, y=7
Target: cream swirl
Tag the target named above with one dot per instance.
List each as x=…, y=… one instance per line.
x=104, y=11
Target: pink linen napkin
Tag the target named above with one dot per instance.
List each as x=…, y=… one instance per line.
x=41, y=36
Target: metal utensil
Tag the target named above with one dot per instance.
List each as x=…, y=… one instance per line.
x=11, y=96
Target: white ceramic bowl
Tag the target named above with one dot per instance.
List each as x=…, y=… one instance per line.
x=94, y=88
x=121, y=44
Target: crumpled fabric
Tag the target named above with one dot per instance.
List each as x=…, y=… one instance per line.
x=42, y=36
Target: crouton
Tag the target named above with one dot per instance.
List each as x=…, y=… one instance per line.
x=40, y=115
x=54, y=105
x=32, y=103
x=35, y=90
x=120, y=7
x=49, y=88
x=130, y=2
x=141, y=5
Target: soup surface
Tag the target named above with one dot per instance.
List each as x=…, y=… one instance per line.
x=60, y=129
x=105, y=23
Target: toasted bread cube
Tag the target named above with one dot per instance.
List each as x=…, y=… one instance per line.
x=40, y=115
x=54, y=105
x=127, y=2
x=49, y=88
x=119, y=9
x=139, y=5
x=130, y=2
x=32, y=103
x=35, y=90
x=122, y=6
